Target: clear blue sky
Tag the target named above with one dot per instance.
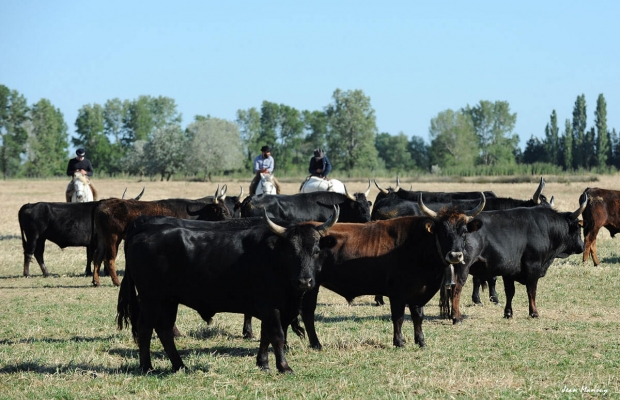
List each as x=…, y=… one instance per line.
x=413, y=59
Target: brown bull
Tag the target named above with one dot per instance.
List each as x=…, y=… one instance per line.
x=602, y=210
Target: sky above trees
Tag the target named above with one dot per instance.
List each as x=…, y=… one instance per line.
x=413, y=60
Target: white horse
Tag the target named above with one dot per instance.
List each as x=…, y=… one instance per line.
x=81, y=189
x=317, y=184
x=266, y=185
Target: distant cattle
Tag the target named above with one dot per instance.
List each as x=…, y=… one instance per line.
x=603, y=210
x=65, y=224
x=518, y=244
x=405, y=259
x=315, y=206
x=239, y=266
x=111, y=218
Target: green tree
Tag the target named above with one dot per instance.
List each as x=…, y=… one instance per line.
x=552, y=140
x=147, y=114
x=494, y=124
x=13, y=134
x=114, y=112
x=420, y=153
x=394, y=151
x=91, y=135
x=534, y=151
x=48, y=142
x=603, y=148
x=453, y=140
x=352, y=129
x=134, y=161
x=214, y=146
x=290, y=130
x=579, y=132
x=316, y=127
x=614, y=141
x=249, y=122
x=567, y=146
x=165, y=152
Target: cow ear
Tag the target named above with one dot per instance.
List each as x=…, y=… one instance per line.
x=580, y=223
x=369, y=203
x=430, y=225
x=474, y=225
x=327, y=242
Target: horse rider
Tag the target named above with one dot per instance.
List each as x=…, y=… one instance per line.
x=78, y=164
x=263, y=164
x=319, y=164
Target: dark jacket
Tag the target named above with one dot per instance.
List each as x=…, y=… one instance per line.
x=322, y=163
x=74, y=164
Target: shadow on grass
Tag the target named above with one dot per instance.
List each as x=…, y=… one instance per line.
x=9, y=237
x=87, y=370
x=76, y=339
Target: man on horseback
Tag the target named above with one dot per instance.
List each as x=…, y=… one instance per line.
x=78, y=164
x=263, y=164
x=319, y=164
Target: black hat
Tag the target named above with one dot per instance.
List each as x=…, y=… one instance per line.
x=265, y=149
x=80, y=152
x=318, y=153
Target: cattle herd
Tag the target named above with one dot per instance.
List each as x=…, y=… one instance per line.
x=266, y=256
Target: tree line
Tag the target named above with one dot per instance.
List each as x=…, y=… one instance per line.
x=145, y=137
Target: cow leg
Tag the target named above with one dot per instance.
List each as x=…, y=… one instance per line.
x=509, y=288
x=110, y=263
x=38, y=254
x=531, y=295
x=379, y=301
x=417, y=315
x=271, y=331
x=493, y=297
x=456, y=299
x=247, y=327
x=398, y=316
x=145, y=333
x=165, y=330
x=475, y=295
x=308, y=307
x=89, y=259
x=590, y=245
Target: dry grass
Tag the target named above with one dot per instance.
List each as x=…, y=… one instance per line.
x=58, y=338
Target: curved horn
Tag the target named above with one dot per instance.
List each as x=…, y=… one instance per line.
x=123, y=197
x=551, y=202
x=380, y=188
x=224, y=190
x=346, y=192
x=141, y=193
x=397, y=188
x=582, y=206
x=275, y=228
x=536, y=196
x=327, y=225
x=241, y=194
x=425, y=209
x=367, y=192
x=217, y=192
x=471, y=214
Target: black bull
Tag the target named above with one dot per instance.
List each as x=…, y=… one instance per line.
x=518, y=244
x=405, y=259
x=239, y=266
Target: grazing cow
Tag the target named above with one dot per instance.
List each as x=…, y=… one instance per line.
x=238, y=266
x=603, y=210
x=518, y=244
x=111, y=218
x=405, y=259
x=315, y=206
x=66, y=224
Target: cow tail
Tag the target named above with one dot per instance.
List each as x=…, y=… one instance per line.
x=128, y=309
x=444, y=302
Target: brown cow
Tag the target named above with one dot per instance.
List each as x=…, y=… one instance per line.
x=112, y=217
x=603, y=210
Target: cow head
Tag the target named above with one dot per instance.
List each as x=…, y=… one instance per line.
x=451, y=227
x=571, y=240
x=216, y=211
x=298, y=249
x=359, y=204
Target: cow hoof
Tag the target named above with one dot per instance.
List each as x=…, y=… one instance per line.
x=456, y=321
x=534, y=315
x=317, y=346
x=508, y=316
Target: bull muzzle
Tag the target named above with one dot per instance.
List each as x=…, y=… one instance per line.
x=455, y=257
x=305, y=283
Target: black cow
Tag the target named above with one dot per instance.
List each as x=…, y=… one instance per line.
x=237, y=266
x=518, y=244
x=406, y=259
x=232, y=203
x=65, y=224
x=315, y=206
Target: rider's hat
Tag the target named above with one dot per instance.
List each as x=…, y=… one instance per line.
x=318, y=153
x=265, y=149
x=80, y=152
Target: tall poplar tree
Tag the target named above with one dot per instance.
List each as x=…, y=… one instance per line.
x=567, y=146
x=552, y=140
x=579, y=133
x=603, y=147
x=48, y=141
x=13, y=134
x=89, y=126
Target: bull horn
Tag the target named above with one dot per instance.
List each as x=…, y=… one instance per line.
x=275, y=228
x=380, y=188
x=141, y=193
x=582, y=206
x=217, y=192
x=536, y=196
x=471, y=214
x=367, y=192
x=327, y=225
x=425, y=209
x=123, y=196
x=551, y=202
x=397, y=188
x=346, y=192
x=241, y=194
x=224, y=190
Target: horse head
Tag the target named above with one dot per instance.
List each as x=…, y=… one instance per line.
x=266, y=185
x=81, y=189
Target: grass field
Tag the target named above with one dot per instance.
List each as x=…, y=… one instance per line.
x=58, y=337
